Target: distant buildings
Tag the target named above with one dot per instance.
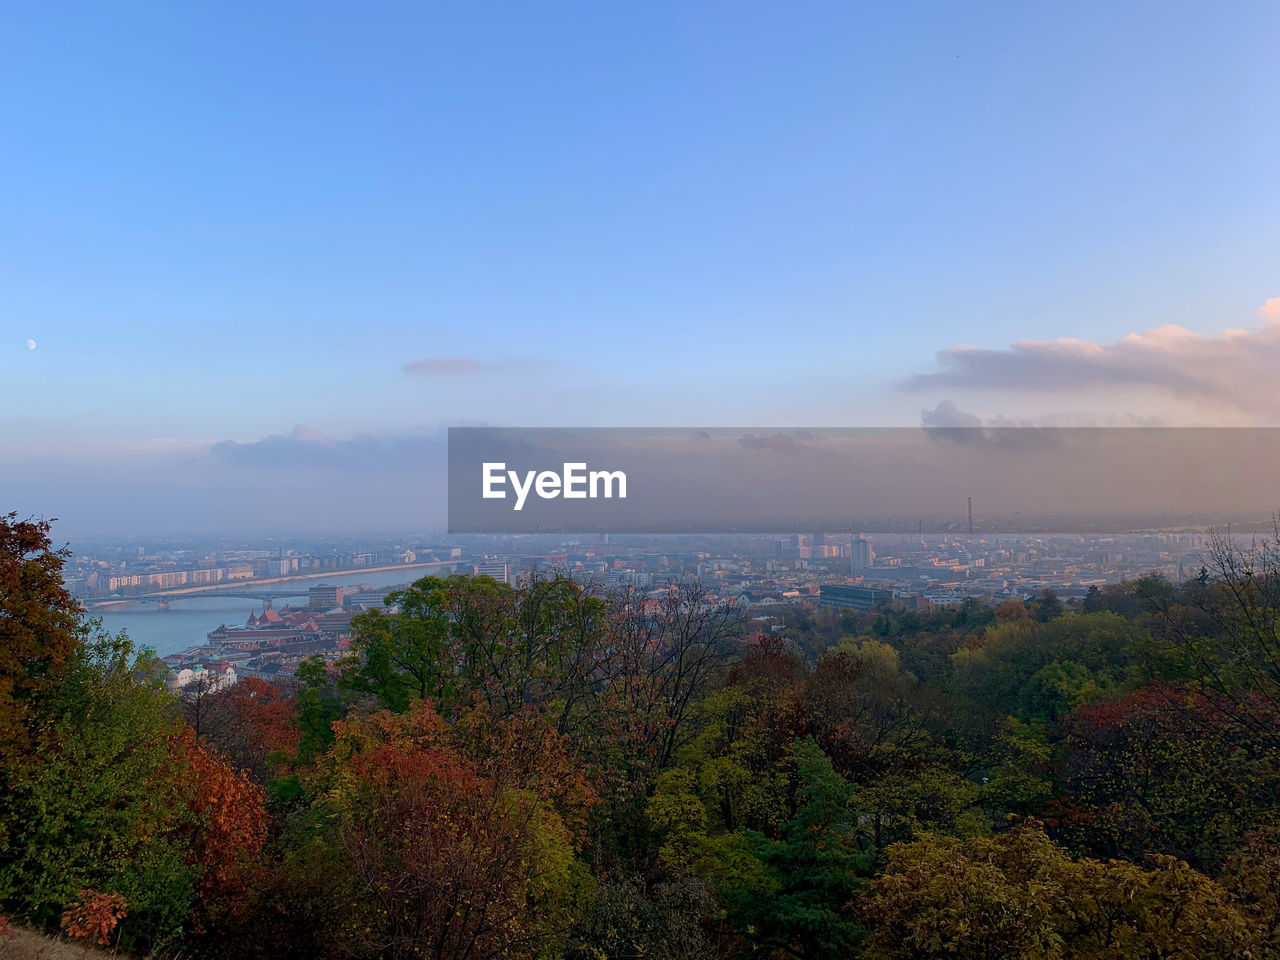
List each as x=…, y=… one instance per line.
x=215, y=676
x=289, y=625
x=801, y=571
x=179, y=570
x=852, y=597
x=269, y=646
x=796, y=547
x=275, y=567
x=324, y=597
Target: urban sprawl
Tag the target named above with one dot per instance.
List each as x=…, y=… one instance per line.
x=767, y=575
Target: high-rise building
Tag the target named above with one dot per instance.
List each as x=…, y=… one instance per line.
x=861, y=556
x=497, y=569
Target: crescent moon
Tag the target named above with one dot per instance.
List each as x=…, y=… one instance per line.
x=31, y=344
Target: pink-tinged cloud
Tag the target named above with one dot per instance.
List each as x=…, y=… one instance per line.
x=1236, y=368
x=305, y=434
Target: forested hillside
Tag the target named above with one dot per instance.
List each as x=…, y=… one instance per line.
x=551, y=771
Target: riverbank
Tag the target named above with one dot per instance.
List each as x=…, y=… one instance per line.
x=240, y=585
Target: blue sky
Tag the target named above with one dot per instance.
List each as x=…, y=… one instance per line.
x=221, y=221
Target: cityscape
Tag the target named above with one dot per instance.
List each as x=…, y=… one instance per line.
x=299, y=597
x=669, y=481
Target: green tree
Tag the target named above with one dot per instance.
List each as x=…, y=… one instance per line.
x=814, y=865
x=1020, y=777
x=1164, y=770
x=629, y=918
x=99, y=808
x=1047, y=606
x=1056, y=689
x=1042, y=671
x=464, y=637
x=542, y=643
x=1226, y=635
x=1018, y=896
x=317, y=705
x=404, y=655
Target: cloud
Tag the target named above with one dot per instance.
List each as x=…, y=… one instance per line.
x=305, y=434
x=1234, y=368
x=788, y=443
x=306, y=448
x=468, y=366
x=947, y=415
x=948, y=422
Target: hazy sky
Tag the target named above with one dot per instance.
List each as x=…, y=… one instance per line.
x=341, y=226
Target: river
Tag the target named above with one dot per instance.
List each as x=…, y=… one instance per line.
x=189, y=619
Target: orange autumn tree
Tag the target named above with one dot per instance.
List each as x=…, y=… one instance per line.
x=223, y=831
x=94, y=916
x=267, y=711
x=250, y=724
x=460, y=839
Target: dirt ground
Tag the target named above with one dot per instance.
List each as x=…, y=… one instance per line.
x=26, y=945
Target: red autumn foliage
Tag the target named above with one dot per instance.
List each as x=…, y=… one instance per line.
x=226, y=828
x=269, y=712
x=94, y=915
x=1163, y=770
x=447, y=829
x=250, y=723
x=263, y=716
x=38, y=622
